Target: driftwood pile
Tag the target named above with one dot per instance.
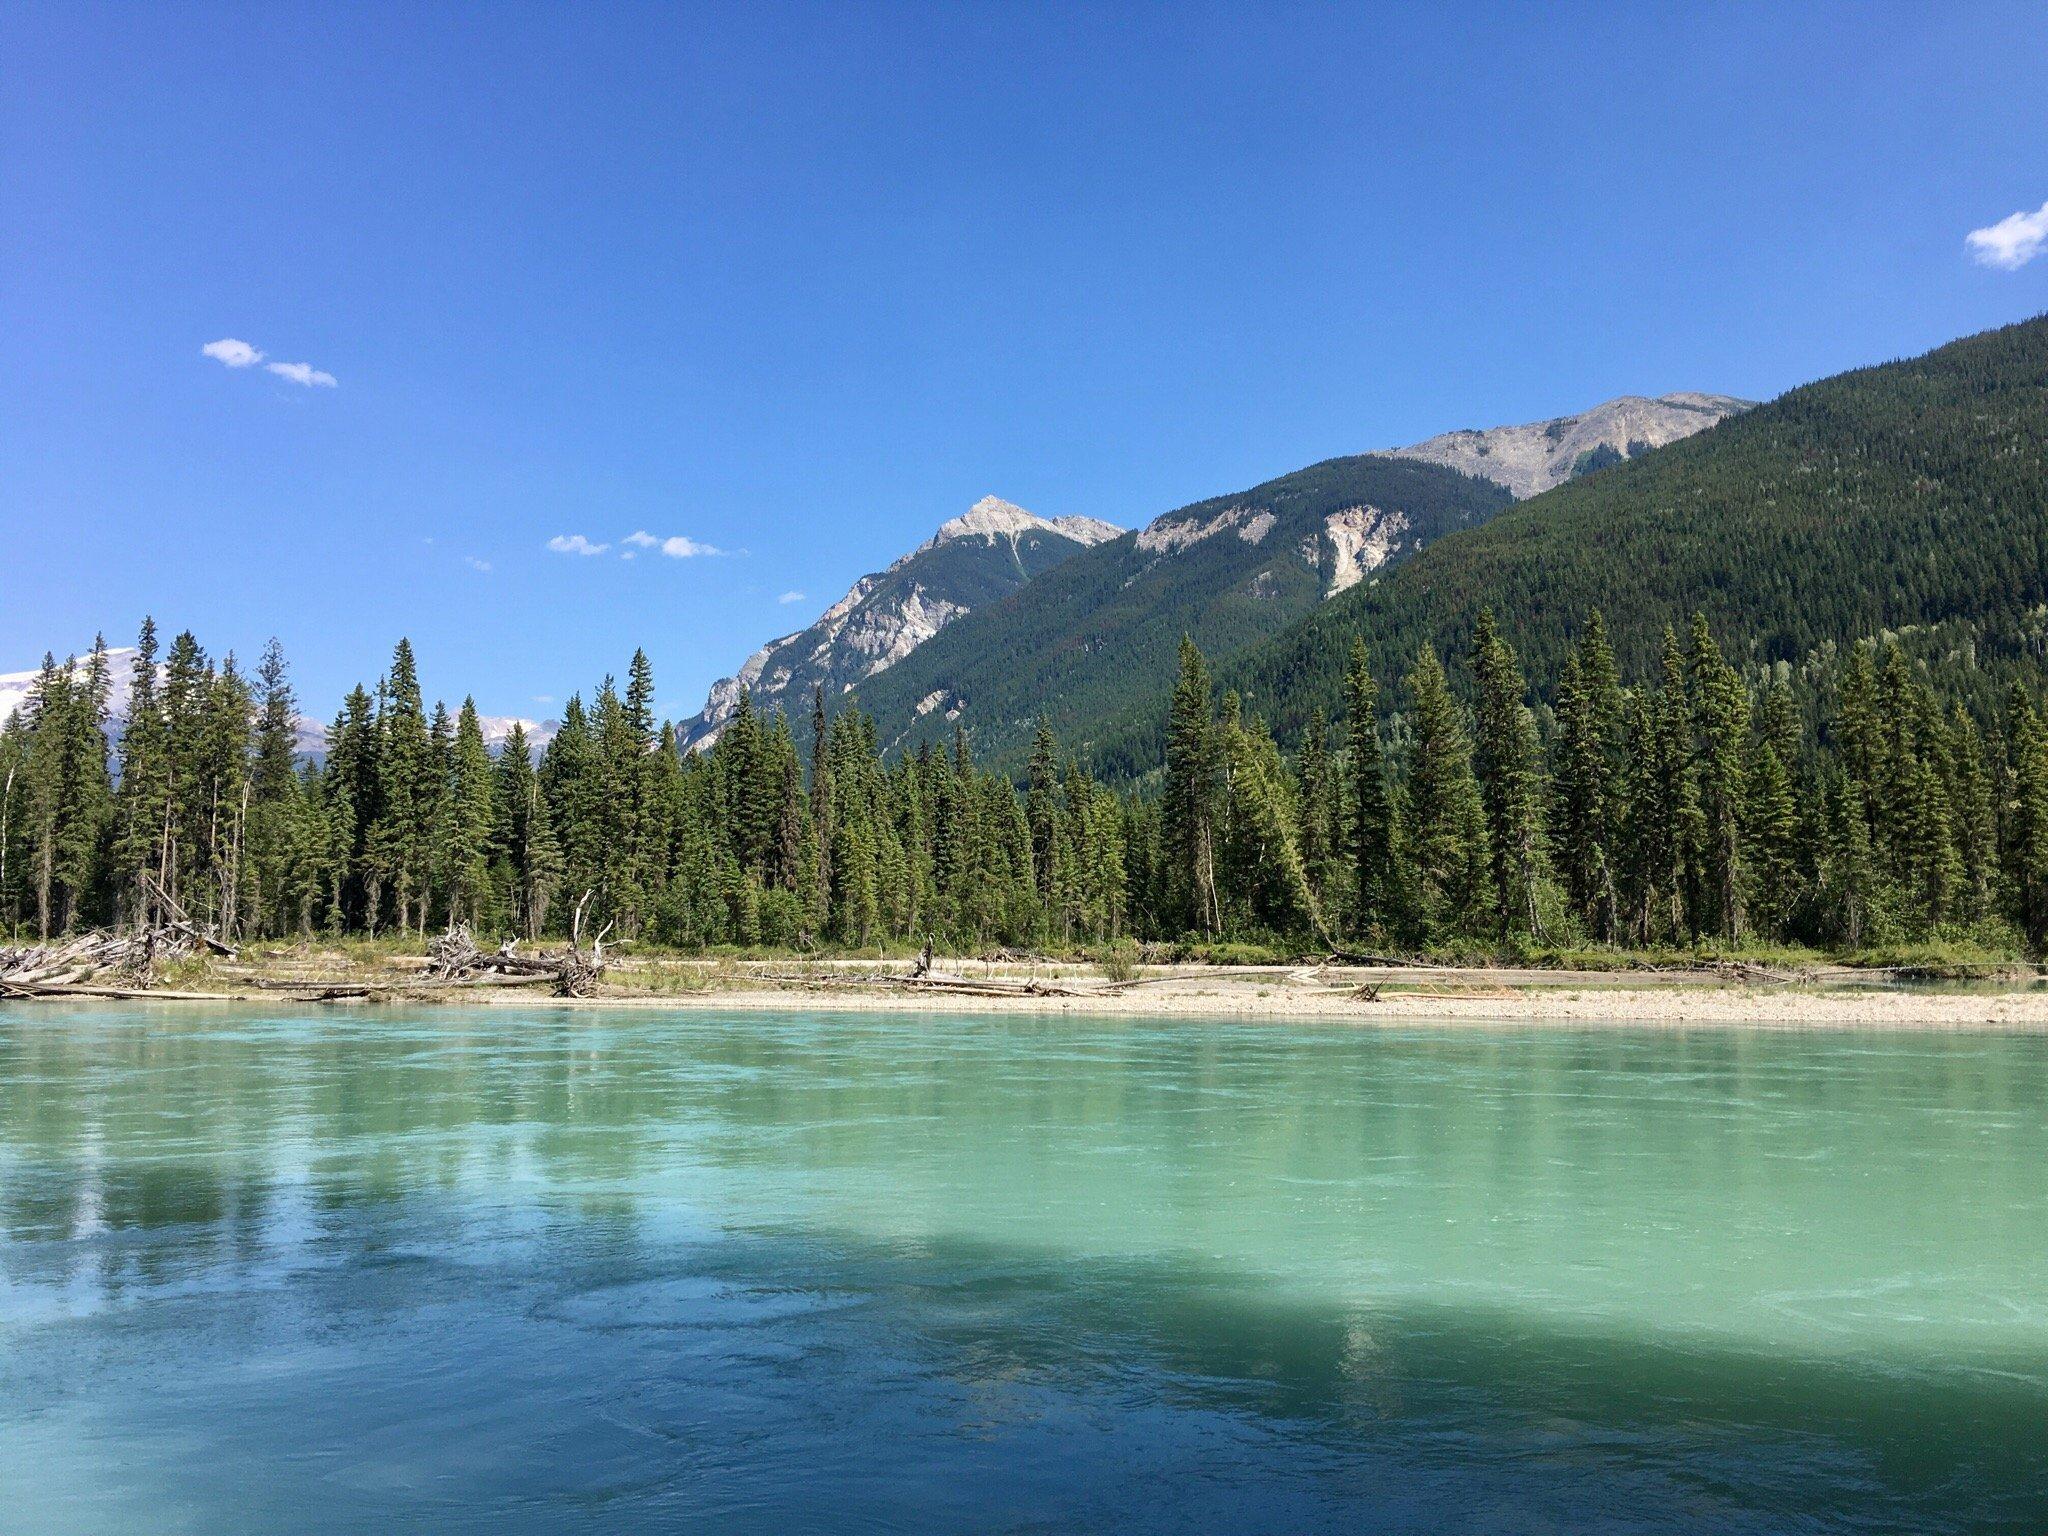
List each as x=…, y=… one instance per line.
x=108, y=962
x=455, y=959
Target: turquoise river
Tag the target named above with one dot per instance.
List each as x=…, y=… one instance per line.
x=509, y=1270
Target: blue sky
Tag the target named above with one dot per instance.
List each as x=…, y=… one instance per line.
x=800, y=283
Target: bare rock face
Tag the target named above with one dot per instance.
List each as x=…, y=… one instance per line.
x=1532, y=458
x=987, y=552
x=1177, y=531
x=1359, y=541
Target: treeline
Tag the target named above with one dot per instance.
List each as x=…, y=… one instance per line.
x=1692, y=803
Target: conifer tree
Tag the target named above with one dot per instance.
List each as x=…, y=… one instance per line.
x=1188, y=809
x=1973, y=820
x=1370, y=841
x=407, y=788
x=275, y=814
x=524, y=837
x=142, y=801
x=1507, y=761
x=1590, y=792
x=822, y=816
x=1317, y=831
x=1851, y=900
x=468, y=823
x=2026, y=818
x=349, y=795
x=572, y=784
x=1721, y=736
x=1042, y=806
x=1446, y=820
x=49, y=701
x=1770, y=818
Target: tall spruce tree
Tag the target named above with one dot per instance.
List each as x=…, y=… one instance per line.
x=1447, y=821
x=1721, y=737
x=1589, y=788
x=1188, y=808
x=1508, y=762
x=1370, y=805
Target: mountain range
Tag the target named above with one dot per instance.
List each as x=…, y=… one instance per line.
x=1055, y=616
x=1910, y=497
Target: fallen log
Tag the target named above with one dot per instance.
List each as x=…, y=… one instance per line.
x=133, y=994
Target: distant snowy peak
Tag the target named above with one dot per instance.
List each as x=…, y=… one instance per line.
x=1532, y=458
x=309, y=735
x=15, y=687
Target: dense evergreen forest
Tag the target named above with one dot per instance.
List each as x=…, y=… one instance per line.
x=1909, y=497
x=1691, y=801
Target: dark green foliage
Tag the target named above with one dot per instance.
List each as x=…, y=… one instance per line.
x=1914, y=493
x=1687, y=804
x=1508, y=762
x=1446, y=842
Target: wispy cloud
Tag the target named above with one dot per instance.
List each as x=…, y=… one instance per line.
x=678, y=547
x=790, y=597
x=575, y=544
x=2012, y=242
x=475, y=564
x=236, y=354
x=681, y=548
x=303, y=374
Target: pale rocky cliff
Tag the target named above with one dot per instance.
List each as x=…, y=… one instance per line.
x=1531, y=458
x=985, y=553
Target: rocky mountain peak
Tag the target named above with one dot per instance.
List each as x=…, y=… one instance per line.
x=990, y=550
x=1531, y=458
x=993, y=518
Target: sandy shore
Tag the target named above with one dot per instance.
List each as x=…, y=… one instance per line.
x=1335, y=995
x=1359, y=996
x=1764, y=1007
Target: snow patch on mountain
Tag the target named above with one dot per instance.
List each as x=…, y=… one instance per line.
x=309, y=736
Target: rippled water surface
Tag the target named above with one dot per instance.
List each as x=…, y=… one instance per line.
x=537, y=1270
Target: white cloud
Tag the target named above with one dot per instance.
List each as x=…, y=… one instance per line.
x=236, y=354
x=475, y=564
x=681, y=548
x=543, y=698
x=640, y=539
x=2012, y=242
x=790, y=597
x=575, y=544
x=303, y=374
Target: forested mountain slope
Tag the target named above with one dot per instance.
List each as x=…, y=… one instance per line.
x=1098, y=631
x=1912, y=493
x=1891, y=496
